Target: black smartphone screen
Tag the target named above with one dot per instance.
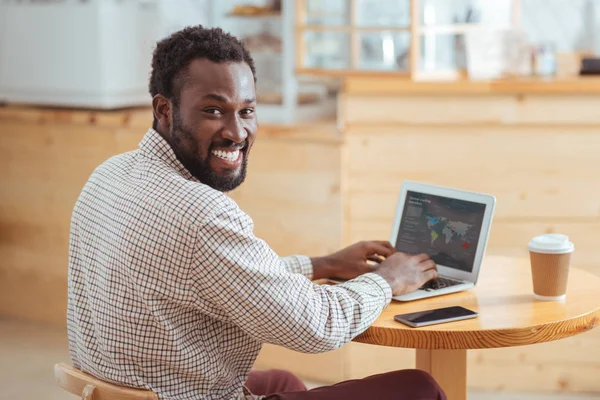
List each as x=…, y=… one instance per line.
x=436, y=315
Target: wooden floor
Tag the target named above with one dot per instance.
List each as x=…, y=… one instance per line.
x=28, y=351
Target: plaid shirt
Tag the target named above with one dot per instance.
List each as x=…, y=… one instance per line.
x=169, y=289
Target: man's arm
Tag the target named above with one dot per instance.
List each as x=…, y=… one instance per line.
x=347, y=263
x=298, y=264
x=241, y=275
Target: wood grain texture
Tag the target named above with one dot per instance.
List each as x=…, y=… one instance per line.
x=481, y=109
x=567, y=365
x=415, y=44
x=46, y=156
x=524, y=150
x=43, y=167
x=392, y=85
x=90, y=388
x=448, y=368
x=532, y=170
x=364, y=360
x=140, y=119
x=33, y=294
x=535, y=377
x=509, y=315
x=292, y=192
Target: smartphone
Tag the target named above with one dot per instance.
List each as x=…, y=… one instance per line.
x=437, y=316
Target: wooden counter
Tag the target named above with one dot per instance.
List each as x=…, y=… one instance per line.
x=141, y=118
x=401, y=86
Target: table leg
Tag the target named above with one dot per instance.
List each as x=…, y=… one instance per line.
x=448, y=367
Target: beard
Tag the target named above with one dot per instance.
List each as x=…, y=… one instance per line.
x=185, y=148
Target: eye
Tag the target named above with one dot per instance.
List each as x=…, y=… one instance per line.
x=247, y=111
x=213, y=111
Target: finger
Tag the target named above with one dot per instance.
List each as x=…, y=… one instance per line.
x=377, y=248
x=430, y=274
x=364, y=267
x=422, y=257
x=427, y=265
x=375, y=258
x=371, y=266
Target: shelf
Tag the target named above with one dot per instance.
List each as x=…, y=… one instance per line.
x=325, y=14
x=265, y=52
x=257, y=16
x=350, y=28
x=455, y=29
x=345, y=73
x=277, y=98
x=539, y=86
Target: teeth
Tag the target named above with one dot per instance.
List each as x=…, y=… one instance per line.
x=226, y=155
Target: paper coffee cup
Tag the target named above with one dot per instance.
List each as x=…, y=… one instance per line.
x=550, y=257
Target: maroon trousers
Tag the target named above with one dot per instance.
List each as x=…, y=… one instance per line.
x=398, y=385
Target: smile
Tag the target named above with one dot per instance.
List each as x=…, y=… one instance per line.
x=226, y=155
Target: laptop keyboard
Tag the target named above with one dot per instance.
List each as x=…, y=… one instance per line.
x=439, y=283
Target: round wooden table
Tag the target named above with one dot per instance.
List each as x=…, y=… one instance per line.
x=509, y=316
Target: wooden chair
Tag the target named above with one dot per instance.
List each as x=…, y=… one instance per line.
x=90, y=388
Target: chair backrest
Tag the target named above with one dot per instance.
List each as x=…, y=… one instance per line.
x=90, y=388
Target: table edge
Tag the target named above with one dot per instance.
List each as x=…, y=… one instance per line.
x=480, y=339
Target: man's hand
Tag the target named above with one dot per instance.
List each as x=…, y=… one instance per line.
x=351, y=262
x=406, y=273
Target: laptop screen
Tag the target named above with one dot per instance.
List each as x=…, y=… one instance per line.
x=446, y=229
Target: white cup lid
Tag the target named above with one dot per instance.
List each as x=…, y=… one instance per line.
x=551, y=243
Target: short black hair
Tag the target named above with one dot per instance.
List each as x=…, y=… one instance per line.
x=173, y=55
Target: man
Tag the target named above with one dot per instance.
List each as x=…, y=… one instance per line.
x=169, y=289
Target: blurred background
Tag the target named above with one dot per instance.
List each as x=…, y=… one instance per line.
x=355, y=96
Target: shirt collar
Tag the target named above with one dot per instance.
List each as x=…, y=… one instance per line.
x=153, y=145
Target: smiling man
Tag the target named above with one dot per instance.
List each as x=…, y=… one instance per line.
x=169, y=289
x=213, y=134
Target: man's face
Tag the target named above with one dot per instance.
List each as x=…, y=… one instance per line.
x=214, y=125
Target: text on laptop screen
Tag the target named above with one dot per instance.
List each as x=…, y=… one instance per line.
x=446, y=229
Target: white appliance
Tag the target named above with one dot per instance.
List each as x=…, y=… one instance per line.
x=77, y=53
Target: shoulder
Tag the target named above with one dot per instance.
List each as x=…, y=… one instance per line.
x=188, y=200
x=155, y=187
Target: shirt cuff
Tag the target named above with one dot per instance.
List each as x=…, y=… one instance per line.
x=385, y=287
x=300, y=265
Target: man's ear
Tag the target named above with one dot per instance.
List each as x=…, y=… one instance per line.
x=162, y=109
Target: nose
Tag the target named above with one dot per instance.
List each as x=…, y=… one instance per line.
x=234, y=130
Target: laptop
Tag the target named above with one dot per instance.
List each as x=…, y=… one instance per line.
x=452, y=226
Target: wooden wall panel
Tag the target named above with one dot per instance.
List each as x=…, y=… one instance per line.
x=566, y=366
x=43, y=168
x=321, y=368
x=471, y=109
x=364, y=360
x=533, y=173
x=562, y=366
x=542, y=183
x=292, y=192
